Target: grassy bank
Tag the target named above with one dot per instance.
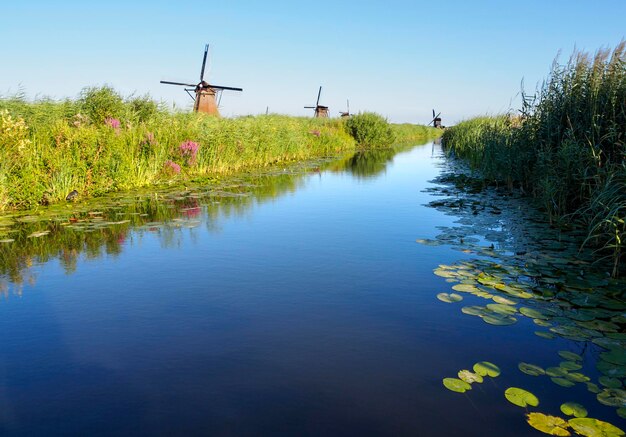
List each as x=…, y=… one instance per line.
x=102, y=142
x=567, y=148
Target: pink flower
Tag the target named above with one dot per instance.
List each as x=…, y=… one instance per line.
x=189, y=150
x=171, y=166
x=112, y=122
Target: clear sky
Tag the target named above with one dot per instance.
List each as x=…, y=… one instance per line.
x=398, y=58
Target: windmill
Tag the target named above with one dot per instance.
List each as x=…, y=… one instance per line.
x=204, y=100
x=320, y=111
x=436, y=121
x=347, y=113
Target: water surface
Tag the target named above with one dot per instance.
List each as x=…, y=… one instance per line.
x=296, y=303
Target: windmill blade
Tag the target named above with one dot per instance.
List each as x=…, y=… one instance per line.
x=318, y=96
x=348, y=101
x=434, y=116
x=178, y=83
x=206, y=51
x=219, y=87
x=310, y=107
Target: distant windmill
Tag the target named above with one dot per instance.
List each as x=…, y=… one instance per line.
x=204, y=100
x=320, y=111
x=347, y=113
x=436, y=121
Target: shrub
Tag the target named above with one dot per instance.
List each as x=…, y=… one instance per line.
x=100, y=103
x=370, y=130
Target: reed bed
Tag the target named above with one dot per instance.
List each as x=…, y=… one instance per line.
x=102, y=142
x=567, y=148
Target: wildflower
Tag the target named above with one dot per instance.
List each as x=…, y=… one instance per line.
x=189, y=150
x=172, y=167
x=112, y=122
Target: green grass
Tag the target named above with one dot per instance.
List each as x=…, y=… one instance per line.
x=567, y=148
x=102, y=142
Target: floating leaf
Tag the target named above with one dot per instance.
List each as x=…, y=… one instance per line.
x=570, y=356
x=474, y=310
x=563, y=382
x=544, y=334
x=573, y=409
x=613, y=397
x=498, y=320
x=593, y=388
x=466, y=288
x=577, y=377
x=456, y=385
x=504, y=300
x=531, y=369
x=469, y=377
x=485, y=368
x=615, y=356
x=551, y=425
x=543, y=323
x=609, y=382
x=521, y=397
x=589, y=427
x=533, y=314
x=610, y=369
x=445, y=273
x=449, y=298
x=556, y=371
x=621, y=412
x=428, y=242
x=570, y=365
x=502, y=309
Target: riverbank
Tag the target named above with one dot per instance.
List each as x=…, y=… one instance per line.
x=101, y=143
x=566, y=149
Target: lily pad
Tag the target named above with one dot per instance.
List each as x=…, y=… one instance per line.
x=551, y=425
x=570, y=365
x=544, y=334
x=485, y=368
x=573, y=409
x=556, y=371
x=570, y=356
x=499, y=320
x=533, y=313
x=577, y=377
x=502, y=309
x=609, y=382
x=563, y=382
x=466, y=288
x=621, y=412
x=469, y=377
x=531, y=369
x=449, y=298
x=474, y=310
x=615, y=356
x=613, y=397
x=589, y=427
x=593, y=388
x=520, y=397
x=504, y=300
x=456, y=385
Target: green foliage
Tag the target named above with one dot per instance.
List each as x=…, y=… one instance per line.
x=100, y=103
x=370, y=130
x=567, y=148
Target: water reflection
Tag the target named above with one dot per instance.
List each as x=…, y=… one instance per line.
x=102, y=227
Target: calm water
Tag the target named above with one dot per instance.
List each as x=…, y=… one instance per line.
x=293, y=304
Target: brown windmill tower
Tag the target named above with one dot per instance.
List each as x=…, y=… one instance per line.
x=204, y=100
x=436, y=121
x=320, y=111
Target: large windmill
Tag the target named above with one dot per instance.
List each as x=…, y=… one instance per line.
x=436, y=121
x=204, y=100
x=320, y=111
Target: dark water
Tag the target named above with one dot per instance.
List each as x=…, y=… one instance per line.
x=293, y=304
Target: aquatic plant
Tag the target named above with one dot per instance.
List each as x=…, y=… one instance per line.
x=567, y=149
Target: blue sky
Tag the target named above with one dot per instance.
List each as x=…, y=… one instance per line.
x=398, y=58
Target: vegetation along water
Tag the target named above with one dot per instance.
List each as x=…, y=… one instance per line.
x=567, y=148
x=103, y=142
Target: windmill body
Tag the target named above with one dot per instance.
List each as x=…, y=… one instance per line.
x=436, y=121
x=205, y=93
x=320, y=110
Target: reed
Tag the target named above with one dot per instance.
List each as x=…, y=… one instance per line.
x=567, y=148
x=102, y=142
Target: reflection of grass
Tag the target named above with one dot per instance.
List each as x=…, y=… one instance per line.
x=101, y=143
x=567, y=148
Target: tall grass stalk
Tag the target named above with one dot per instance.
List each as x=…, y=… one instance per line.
x=567, y=148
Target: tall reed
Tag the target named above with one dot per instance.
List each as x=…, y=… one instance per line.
x=567, y=148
